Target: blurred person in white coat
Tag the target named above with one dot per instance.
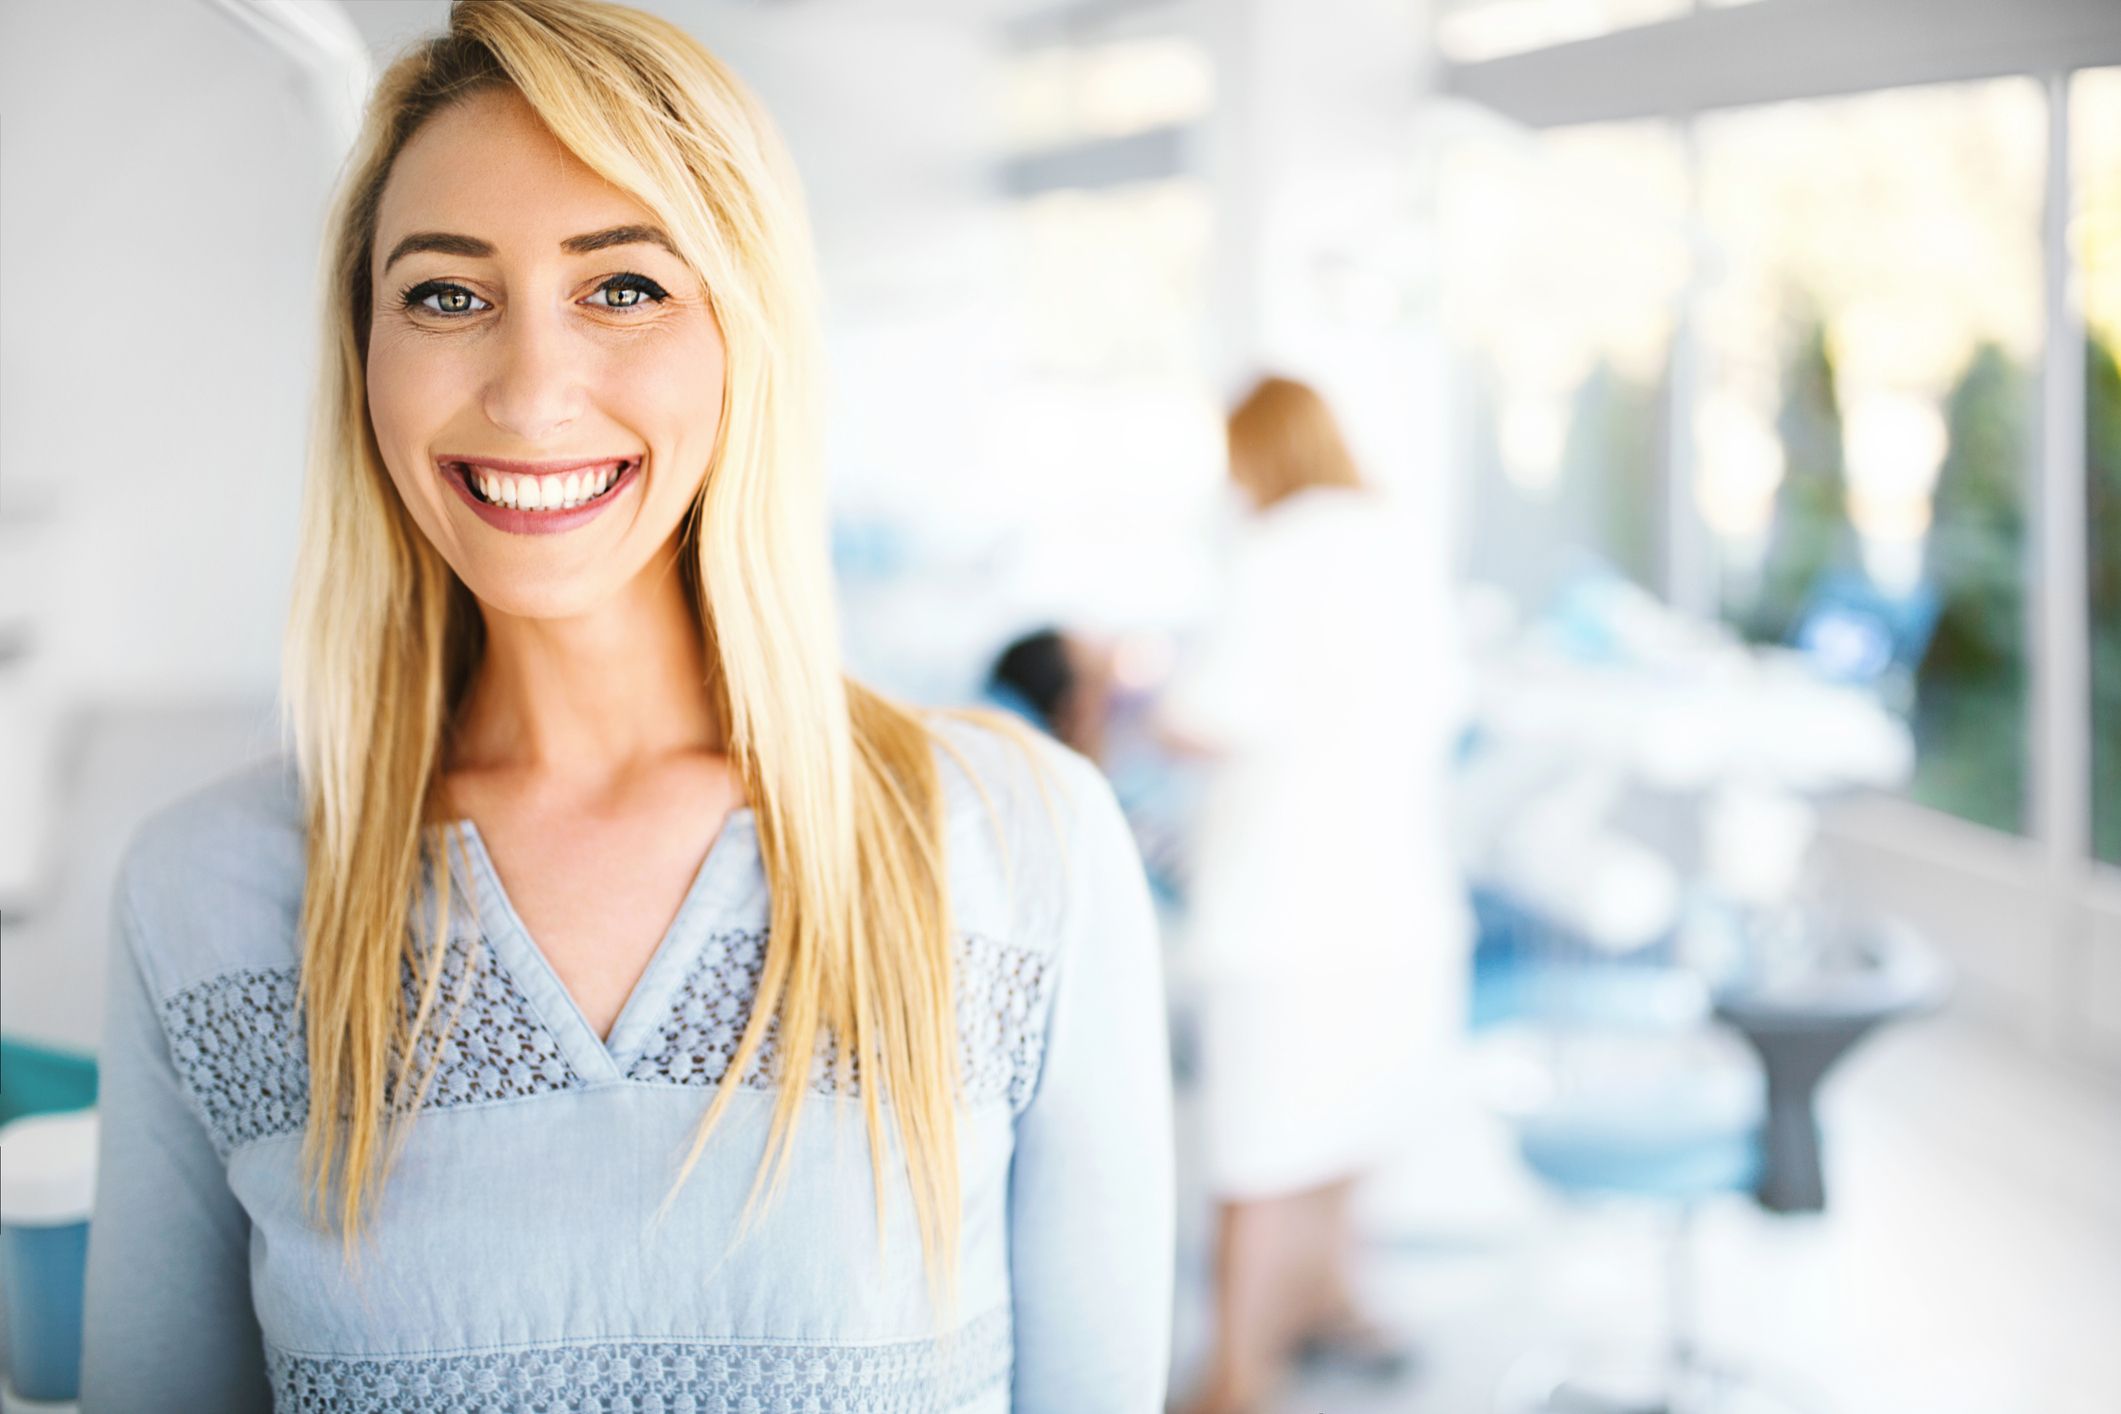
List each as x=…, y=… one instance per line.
x=1327, y=936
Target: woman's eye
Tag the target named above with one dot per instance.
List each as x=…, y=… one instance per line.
x=631, y=291
x=454, y=298
x=622, y=292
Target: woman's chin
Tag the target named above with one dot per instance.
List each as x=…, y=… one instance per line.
x=539, y=596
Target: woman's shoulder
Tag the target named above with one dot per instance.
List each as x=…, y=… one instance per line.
x=1023, y=808
x=990, y=755
x=212, y=880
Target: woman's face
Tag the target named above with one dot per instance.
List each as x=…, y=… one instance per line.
x=501, y=336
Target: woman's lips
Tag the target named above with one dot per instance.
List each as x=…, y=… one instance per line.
x=538, y=498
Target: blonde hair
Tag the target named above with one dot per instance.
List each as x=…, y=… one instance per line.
x=1283, y=438
x=383, y=639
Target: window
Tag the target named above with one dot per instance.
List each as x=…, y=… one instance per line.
x=1113, y=280
x=1062, y=94
x=1566, y=255
x=1108, y=436
x=1870, y=325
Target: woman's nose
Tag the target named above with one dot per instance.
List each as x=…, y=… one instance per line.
x=536, y=385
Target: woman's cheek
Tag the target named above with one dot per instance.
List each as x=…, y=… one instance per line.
x=405, y=381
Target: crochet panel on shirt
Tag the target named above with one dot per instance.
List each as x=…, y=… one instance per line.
x=239, y=1042
x=236, y=1044
x=923, y=1376
x=238, y=1039
x=498, y=1049
x=1001, y=992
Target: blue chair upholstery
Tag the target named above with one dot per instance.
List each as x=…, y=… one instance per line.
x=1689, y=1137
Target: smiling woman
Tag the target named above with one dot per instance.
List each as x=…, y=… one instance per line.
x=590, y=858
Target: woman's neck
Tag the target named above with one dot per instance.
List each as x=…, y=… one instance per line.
x=591, y=697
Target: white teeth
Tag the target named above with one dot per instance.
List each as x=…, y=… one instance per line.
x=547, y=493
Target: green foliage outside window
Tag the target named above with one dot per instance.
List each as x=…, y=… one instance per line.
x=2102, y=406
x=1970, y=693
x=1969, y=698
x=1810, y=537
x=1615, y=445
x=1971, y=705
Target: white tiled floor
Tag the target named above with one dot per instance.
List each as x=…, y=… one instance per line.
x=1970, y=1261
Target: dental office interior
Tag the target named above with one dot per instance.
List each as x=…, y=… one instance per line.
x=1749, y=375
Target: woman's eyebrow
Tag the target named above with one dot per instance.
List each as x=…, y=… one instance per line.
x=448, y=243
x=618, y=235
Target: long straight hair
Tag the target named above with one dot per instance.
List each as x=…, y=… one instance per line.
x=383, y=640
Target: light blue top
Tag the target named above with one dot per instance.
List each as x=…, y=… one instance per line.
x=515, y=1267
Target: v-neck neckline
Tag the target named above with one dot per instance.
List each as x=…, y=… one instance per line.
x=719, y=879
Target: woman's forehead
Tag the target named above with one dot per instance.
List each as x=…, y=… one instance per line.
x=487, y=168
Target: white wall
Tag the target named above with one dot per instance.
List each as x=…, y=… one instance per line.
x=159, y=229
x=164, y=193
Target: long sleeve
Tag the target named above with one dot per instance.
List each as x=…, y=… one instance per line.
x=169, y=1323
x=1091, y=1187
